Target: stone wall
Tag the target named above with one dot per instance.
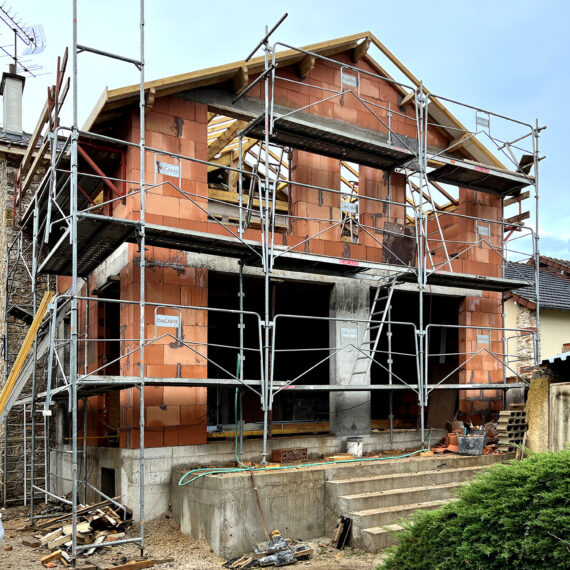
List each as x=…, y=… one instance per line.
x=15, y=289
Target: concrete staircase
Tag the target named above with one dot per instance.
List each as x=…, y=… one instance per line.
x=378, y=495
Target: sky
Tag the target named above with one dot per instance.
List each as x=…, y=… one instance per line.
x=510, y=57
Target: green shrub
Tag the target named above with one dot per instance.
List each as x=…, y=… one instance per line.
x=514, y=515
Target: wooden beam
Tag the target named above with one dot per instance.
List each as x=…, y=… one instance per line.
x=239, y=79
x=443, y=191
x=44, y=115
x=407, y=99
x=352, y=170
x=233, y=198
x=98, y=171
x=246, y=146
x=515, y=199
x=225, y=138
x=518, y=219
x=150, y=96
x=457, y=142
x=31, y=172
x=218, y=120
x=24, y=350
x=305, y=66
x=526, y=163
x=360, y=50
x=224, y=160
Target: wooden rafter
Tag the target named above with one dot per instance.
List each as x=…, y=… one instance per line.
x=350, y=168
x=225, y=138
x=239, y=79
x=443, y=191
x=305, y=66
x=416, y=188
x=409, y=98
x=360, y=50
x=457, y=142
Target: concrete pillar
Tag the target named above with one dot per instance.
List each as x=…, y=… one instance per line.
x=349, y=411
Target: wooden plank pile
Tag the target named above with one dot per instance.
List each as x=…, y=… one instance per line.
x=97, y=524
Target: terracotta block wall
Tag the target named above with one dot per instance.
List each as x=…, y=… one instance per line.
x=168, y=281
x=477, y=405
x=174, y=415
x=322, y=171
x=373, y=183
x=480, y=405
x=178, y=126
x=310, y=204
x=460, y=233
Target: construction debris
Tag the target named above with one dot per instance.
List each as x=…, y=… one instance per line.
x=100, y=524
x=276, y=552
x=469, y=440
x=341, y=532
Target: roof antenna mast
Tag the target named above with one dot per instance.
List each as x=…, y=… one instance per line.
x=32, y=37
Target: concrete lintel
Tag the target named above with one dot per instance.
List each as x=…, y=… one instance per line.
x=440, y=290
x=231, y=265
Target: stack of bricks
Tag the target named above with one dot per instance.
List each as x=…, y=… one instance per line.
x=512, y=428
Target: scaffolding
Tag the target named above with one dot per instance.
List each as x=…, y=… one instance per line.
x=72, y=232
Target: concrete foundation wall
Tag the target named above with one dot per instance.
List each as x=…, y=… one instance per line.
x=161, y=464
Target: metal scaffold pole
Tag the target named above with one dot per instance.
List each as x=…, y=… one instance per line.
x=142, y=244
x=73, y=362
x=536, y=147
x=34, y=371
x=421, y=119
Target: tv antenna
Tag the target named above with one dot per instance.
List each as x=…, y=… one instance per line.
x=32, y=37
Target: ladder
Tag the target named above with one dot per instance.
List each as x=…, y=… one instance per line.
x=373, y=330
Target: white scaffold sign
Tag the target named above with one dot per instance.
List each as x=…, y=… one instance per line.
x=168, y=169
x=169, y=321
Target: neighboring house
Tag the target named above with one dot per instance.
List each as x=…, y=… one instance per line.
x=16, y=305
x=520, y=309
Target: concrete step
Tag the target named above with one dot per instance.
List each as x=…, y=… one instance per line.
x=389, y=515
x=376, y=538
x=410, y=464
x=393, y=497
x=340, y=487
x=402, y=473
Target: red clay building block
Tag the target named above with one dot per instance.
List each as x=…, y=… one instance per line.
x=157, y=416
x=192, y=435
x=170, y=436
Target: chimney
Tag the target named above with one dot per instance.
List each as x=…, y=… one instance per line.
x=11, y=89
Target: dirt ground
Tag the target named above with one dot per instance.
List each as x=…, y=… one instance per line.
x=163, y=540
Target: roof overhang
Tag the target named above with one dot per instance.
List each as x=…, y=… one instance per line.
x=112, y=100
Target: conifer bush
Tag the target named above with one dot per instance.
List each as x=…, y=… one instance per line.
x=513, y=515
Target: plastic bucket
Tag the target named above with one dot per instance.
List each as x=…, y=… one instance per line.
x=354, y=446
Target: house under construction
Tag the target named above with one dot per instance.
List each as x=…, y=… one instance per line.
x=297, y=245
